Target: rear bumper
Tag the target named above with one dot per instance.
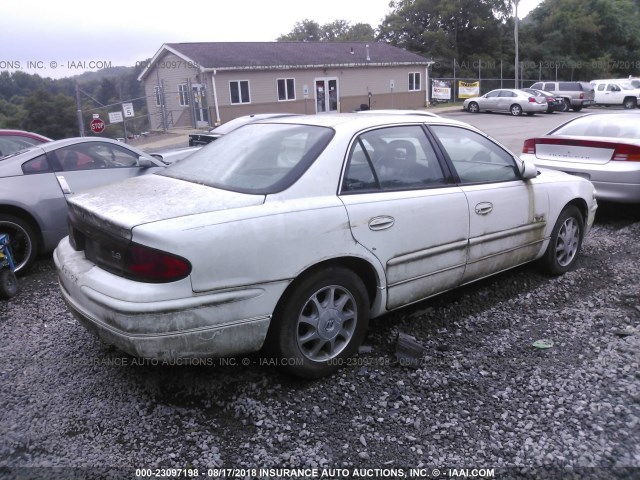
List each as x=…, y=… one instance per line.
x=614, y=181
x=163, y=322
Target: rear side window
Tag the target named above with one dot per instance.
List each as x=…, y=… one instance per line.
x=569, y=86
x=36, y=165
x=475, y=158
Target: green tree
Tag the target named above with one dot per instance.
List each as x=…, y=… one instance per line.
x=584, y=39
x=450, y=29
x=51, y=115
x=336, y=31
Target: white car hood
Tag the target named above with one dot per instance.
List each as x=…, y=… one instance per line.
x=152, y=198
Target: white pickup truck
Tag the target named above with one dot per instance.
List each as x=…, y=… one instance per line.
x=616, y=92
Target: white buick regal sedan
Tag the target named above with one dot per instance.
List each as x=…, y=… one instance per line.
x=291, y=233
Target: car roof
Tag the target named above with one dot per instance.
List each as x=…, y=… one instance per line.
x=23, y=133
x=398, y=112
x=358, y=121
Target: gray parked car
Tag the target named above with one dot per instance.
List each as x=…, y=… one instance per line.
x=576, y=95
x=509, y=100
x=35, y=182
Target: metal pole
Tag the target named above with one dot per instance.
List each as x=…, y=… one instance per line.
x=516, y=39
x=79, y=111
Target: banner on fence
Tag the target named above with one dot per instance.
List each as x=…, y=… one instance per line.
x=441, y=90
x=468, y=90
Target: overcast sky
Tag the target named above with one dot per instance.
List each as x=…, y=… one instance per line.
x=74, y=36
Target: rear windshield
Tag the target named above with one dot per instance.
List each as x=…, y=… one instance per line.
x=260, y=158
x=621, y=126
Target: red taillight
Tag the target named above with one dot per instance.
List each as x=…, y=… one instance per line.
x=532, y=100
x=529, y=146
x=581, y=95
x=150, y=265
x=626, y=153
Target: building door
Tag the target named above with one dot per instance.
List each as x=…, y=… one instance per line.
x=326, y=95
x=200, y=109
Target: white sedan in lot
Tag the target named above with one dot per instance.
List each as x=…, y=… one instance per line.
x=292, y=233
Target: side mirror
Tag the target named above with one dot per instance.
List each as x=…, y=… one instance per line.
x=144, y=162
x=528, y=170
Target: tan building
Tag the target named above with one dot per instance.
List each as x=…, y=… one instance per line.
x=207, y=83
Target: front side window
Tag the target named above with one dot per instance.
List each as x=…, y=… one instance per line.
x=395, y=158
x=239, y=91
x=286, y=89
x=475, y=158
x=183, y=94
x=414, y=81
x=93, y=155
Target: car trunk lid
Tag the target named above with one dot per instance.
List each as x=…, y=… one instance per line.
x=571, y=150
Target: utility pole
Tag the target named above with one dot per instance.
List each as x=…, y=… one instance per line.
x=79, y=112
x=516, y=39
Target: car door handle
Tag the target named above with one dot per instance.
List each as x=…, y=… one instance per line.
x=381, y=223
x=484, y=208
x=64, y=185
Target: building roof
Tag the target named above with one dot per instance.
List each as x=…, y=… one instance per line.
x=287, y=55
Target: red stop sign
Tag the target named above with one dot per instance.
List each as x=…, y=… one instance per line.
x=97, y=125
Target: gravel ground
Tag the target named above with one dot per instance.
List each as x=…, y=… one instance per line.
x=482, y=396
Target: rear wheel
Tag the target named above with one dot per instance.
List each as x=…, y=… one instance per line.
x=8, y=283
x=22, y=241
x=320, y=323
x=577, y=108
x=630, y=103
x=516, y=110
x=566, y=106
x=565, y=242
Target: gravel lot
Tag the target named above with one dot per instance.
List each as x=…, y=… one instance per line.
x=482, y=398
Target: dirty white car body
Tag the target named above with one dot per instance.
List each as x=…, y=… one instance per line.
x=305, y=264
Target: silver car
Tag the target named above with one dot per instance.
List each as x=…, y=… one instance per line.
x=292, y=233
x=514, y=101
x=35, y=182
x=603, y=148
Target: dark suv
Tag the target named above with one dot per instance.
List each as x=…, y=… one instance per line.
x=575, y=94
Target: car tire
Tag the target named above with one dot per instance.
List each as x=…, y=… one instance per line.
x=577, y=108
x=320, y=323
x=516, y=110
x=8, y=283
x=630, y=103
x=23, y=241
x=473, y=107
x=565, y=242
x=566, y=106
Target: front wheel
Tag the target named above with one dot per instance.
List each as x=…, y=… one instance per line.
x=22, y=241
x=566, y=106
x=516, y=110
x=473, y=107
x=320, y=323
x=565, y=242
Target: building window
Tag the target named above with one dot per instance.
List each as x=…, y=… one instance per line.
x=157, y=91
x=239, y=90
x=286, y=89
x=414, y=81
x=183, y=92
